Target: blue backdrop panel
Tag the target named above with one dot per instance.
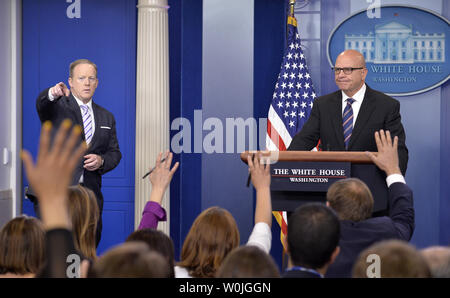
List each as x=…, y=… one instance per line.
x=227, y=93
x=270, y=20
x=444, y=208
x=106, y=34
x=185, y=43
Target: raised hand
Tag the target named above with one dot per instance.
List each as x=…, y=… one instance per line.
x=260, y=172
x=387, y=156
x=51, y=175
x=59, y=90
x=161, y=176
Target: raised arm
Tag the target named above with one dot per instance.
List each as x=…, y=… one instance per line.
x=401, y=209
x=50, y=177
x=160, y=179
x=261, y=235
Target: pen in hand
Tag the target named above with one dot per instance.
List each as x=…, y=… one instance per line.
x=250, y=175
x=149, y=172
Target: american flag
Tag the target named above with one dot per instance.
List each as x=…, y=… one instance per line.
x=291, y=105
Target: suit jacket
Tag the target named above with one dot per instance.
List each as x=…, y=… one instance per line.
x=104, y=141
x=378, y=111
x=299, y=274
x=357, y=236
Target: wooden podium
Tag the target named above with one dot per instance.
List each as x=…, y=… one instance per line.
x=300, y=177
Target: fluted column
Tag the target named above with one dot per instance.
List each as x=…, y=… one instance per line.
x=152, y=98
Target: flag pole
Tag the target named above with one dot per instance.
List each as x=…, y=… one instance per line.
x=292, y=4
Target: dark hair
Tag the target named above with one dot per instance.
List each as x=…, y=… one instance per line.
x=351, y=199
x=22, y=246
x=157, y=241
x=248, y=262
x=313, y=235
x=130, y=259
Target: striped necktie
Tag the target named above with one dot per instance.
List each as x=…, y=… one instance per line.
x=347, y=121
x=87, y=123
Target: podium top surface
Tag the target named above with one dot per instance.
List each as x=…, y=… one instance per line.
x=314, y=156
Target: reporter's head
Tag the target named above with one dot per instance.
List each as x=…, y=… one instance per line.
x=351, y=199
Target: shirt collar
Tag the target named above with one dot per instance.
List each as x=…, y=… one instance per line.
x=89, y=104
x=358, y=96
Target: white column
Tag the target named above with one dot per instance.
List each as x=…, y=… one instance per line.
x=152, y=98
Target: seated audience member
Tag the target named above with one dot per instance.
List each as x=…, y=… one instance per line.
x=50, y=177
x=131, y=260
x=212, y=236
x=83, y=211
x=353, y=203
x=160, y=179
x=214, y=232
x=157, y=241
x=396, y=259
x=312, y=241
x=248, y=262
x=22, y=248
x=438, y=260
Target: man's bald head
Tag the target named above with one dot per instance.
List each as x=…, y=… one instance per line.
x=354, y=55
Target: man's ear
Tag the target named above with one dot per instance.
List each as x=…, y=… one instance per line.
x=70, y=82
x=334, y=255
x=285, y=245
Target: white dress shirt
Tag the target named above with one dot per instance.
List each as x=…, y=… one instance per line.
x=358, y=97
x=89, y=104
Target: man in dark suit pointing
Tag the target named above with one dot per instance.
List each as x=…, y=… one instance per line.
x=346, y=120
x=99, y=126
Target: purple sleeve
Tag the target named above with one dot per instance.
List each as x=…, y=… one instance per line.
x=153, y=213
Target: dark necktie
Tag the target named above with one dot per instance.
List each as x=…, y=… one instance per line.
x=347, y=121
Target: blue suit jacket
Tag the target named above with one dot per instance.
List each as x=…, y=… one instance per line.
x=357, y=236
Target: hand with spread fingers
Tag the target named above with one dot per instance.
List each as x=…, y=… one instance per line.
x=51, y=175
x=161, y=176
x=387, y=157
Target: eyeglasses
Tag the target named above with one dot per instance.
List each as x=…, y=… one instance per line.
x=346, y=70
x=91, y=79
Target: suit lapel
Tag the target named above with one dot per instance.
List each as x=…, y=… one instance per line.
x=73, y=105
x=75, y=108
x=366, y=110
x=336, y=114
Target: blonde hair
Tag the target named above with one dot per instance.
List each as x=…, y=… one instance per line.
x=78, y=62
x=84, y=213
